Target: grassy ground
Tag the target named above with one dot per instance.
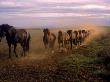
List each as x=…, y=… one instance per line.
x=88, y=63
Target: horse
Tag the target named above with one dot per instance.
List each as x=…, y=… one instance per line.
x=15, y=36
x=71, y=37
x=80, y=37
x=76, y=37
x=63, y=38
x=1, y=34
x=60, y=38
x=48, y=38
x=84, y=32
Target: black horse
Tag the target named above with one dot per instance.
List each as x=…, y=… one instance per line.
x=15, y=36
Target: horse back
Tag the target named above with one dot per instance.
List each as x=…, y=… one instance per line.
x=22, y=35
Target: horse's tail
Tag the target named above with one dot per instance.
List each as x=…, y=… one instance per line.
x=28, y=37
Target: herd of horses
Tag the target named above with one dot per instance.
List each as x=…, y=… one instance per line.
x=76, y=37
x=73, y=38
x=21, y=36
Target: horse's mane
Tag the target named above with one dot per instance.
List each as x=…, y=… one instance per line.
x=7, y=27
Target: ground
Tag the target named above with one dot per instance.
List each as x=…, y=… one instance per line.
x=88, y=63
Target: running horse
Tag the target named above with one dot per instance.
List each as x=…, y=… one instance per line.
x=15, y=36
x=73, y=37
x=63, y=39
x=48, y=38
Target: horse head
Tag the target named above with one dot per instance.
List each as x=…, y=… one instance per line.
x=6, y=27
x=69, y=32
x=76, y=32
x=1, y=32
x=79, y=31
x=3, y=29
x=83, y=31
x=60, y=32
x=46, y=31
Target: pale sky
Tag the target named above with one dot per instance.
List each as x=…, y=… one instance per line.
x=26, y=13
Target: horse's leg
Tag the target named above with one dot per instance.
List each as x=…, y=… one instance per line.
x=15, y=50
x=71, y=43
x=23, y=53
x=45, y=45
x=9, y=45
x=59, y=45
x=62, y=43
x=24, y=50
x=65, y=44
x=81, y=41
x=27, y=49
x=76, y=43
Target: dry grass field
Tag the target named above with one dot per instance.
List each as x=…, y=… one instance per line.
x=89, y=63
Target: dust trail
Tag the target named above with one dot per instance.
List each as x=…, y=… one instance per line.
x=95, y=31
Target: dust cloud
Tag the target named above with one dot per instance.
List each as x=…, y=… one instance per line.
x=95, y=32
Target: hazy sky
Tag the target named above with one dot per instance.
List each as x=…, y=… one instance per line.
x=54, y=12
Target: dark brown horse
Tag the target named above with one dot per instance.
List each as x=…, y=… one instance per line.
x=73, y=37
x=15, y=36
x=80, y=37
x=49, y=39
